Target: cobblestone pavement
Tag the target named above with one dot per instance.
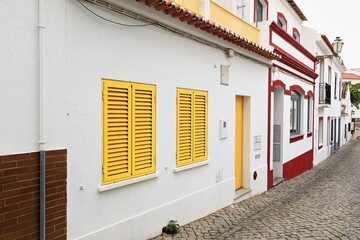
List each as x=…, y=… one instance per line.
x=323, y=203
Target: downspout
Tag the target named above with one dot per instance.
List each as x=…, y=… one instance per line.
x=42, y=110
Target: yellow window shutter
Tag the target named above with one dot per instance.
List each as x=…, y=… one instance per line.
x=184, y=146
x=116, y=130
x=143, y=129
x=200, y=125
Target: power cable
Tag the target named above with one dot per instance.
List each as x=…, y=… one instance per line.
x=114, y=22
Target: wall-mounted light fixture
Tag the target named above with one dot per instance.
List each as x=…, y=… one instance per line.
x=337, y=47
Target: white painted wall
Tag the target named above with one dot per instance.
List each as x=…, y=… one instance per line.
x=96, y=50
x=291, y=16
x=19, y=99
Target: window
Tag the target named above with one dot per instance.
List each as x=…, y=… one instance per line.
x=329, y=122
x=295, y=107
x=335, y=86
x=191, y=131
x=321, y=131
x=309, y=116
x=296, y=34
x=340, y=88
x=329, y=75
x=128, y=112
x=282, y=22
x=259, y=11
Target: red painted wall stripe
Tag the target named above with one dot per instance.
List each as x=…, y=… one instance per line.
x=298, y=165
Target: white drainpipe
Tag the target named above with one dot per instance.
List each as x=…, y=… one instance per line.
x=42, y=115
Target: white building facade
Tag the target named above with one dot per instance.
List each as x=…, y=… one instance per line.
x=157, y=110
x=147, y=111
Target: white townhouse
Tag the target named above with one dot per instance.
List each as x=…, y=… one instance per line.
x=329, y=121
x=346, y=113
x=291, y=86
x=125, y=114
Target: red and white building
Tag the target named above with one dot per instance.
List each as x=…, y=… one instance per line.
x=291, y=86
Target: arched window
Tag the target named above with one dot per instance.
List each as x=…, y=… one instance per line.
x=282, y=22
x=309, y=115
x=296, y=34
x=295, y=112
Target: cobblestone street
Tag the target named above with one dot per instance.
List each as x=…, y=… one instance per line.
x=323, y=203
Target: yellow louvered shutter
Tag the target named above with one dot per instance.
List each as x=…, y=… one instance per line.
x=191, y=126
x=184, y=127
x=200, y=126
x=143, y=129
x=128, y=130
x=116, y=130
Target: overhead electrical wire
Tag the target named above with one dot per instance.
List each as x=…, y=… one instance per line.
x=114, y=22
x=164, y=27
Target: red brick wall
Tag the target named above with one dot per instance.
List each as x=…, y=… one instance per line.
x=19, y=195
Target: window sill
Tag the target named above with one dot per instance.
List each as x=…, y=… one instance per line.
x=309, y=134
x=296, y=137
x=127, y=182
x=320, y=147
x=190, y=166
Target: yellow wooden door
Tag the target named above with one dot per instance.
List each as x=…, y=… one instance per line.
x=238, y=141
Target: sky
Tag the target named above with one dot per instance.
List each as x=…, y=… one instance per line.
x=340, y=18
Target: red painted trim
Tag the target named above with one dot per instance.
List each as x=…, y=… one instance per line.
x=310, y=93
x=292, y=140
x=320, y=118
x=328, y=117
x=313, y=120
x=297, y=32
x=270, y=179
x=279, y=83
x=309, y=135
x=254, y=11
x=288, y=38
x=267, y=9
x=281, y=16
x=291, y=61
x=292, y=73
x=320, y=147
x=270, y=172
x=298, y=165
x=297, y=88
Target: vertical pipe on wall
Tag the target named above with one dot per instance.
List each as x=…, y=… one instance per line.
x=42, y=135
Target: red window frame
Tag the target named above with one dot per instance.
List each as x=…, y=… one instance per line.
x=281, y=16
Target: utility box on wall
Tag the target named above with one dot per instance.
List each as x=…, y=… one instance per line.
x=223, y=129
x=224, y=74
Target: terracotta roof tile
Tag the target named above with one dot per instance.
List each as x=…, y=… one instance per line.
x=350, y=76
x=198, y=21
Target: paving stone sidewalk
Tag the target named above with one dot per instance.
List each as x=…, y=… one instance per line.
x=323, y=203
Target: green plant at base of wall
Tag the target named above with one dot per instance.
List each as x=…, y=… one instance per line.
x=172, y=227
